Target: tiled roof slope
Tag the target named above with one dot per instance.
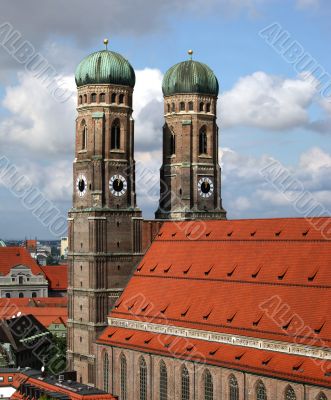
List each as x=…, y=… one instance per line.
x=12, y=256
x=57, y=276
x=219, y=275
x=283, y=366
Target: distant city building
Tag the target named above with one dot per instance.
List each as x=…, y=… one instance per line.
x=27, y=383
x=20, y=275
x=64, y=247
x=18, y=336
x=57, y=276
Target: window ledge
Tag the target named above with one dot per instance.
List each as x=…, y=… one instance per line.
x=117, y=151
x=82, y=151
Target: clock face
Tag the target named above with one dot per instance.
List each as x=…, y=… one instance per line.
x=81, y=185
x=205, y=187
x=117, y=185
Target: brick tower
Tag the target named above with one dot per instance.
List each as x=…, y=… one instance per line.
x=190, y=174
x=104, y=222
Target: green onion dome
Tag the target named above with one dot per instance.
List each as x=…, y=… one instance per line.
x=190, y=77
x=105, y=67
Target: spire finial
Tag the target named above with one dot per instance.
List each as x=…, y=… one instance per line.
x=190, y=52
x=105, y=42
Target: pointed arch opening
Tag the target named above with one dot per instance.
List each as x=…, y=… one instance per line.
x=203, y=144
x=113, y=98
x=201, y=106
x=83, y=135
x=142, y=379
x=102, y=97
x=172, y=143
x=115, y=135
x=208, y=385
x=233, y=388
x=260, y=391
x=123, y=377
x=121, y=98
x=185, y=377
x=290, y=393
x=93, y=98
x=163, y=381
x=190, y=106
x=321, y=396
x=105, y=372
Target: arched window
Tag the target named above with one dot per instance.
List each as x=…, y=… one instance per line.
x=261, y=393
x=142, y=379
x=290, y=393
x=190, y=106
x=123, y=378
x=233, y=388
x=121, y=99
x=173, y=107
x=163, y=381
x=102, y=97
x=130, y=100
x=34, y=294
x=168, y=107
x=201, y=106
x=208, y=107
x=8, y=295
x=105, y=372
x=113, y=98
x=321, y=396
x=20, y=280
x=115, y=135
x=20, y=295
x=208, y=385
x=185, y=384
x=203, y=140
x=80, y=99
x=84, y=135
x=172, y=143
x=182, y=106
x=93, y=98
x=85, y=98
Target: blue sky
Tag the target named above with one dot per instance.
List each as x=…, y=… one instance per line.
x=266, y=110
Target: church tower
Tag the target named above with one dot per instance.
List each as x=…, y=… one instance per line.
x=190, y=173
x=104, y=223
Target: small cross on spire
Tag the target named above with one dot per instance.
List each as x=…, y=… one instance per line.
x=190, y=52
x=105, y=42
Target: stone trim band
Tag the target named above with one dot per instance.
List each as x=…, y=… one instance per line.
x=235, y=340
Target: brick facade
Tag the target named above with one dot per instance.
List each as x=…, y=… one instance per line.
x=247, y=382
x=104, y=226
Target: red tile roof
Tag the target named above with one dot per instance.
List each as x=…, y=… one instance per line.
x=74, y=391
x=284, y=366
x=12, y=256
x=234, y=277
x=57, y=276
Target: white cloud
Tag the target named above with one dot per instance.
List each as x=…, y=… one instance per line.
x=37, y=122
x=267, y=102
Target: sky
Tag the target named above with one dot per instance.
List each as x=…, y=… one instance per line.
x=271, y=58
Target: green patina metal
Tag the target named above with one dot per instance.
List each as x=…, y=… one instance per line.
x=190, y=77
x=105, y=67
